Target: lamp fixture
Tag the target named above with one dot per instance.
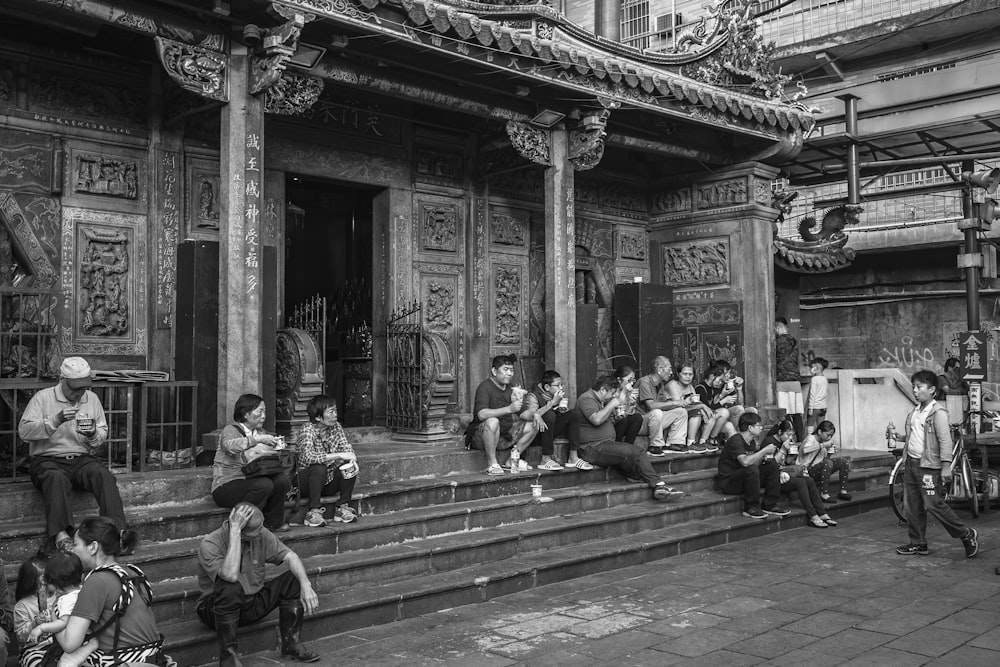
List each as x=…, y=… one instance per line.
x=307, y=56
x=546, y=118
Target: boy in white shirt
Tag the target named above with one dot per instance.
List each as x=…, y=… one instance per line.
x=818, y=388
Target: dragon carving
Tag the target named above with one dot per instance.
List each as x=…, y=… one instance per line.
x=832, y=226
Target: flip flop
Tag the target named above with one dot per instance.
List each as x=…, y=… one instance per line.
x=495, y=469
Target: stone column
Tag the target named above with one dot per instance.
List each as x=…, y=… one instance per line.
x=560, y=242
x=240, y=261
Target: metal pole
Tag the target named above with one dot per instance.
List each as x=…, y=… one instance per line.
x=971, y=250
x=851, y=130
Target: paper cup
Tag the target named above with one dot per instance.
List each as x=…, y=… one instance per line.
x=85, y=424
x=349, y=470
x=536, y=490
x=517, y=393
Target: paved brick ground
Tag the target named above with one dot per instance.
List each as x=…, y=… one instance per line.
x=839, y=596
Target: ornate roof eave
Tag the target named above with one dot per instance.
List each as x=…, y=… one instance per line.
x=554, y=51
x=807, y=257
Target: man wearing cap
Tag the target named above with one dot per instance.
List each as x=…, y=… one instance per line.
x=62, y=424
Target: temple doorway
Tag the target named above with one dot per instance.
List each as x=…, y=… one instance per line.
x=328, y=252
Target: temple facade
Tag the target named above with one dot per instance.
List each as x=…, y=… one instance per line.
x=372, y=198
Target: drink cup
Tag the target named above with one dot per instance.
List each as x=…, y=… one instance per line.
x=564, y=404
x=517, y=393
x=349, y=470
x=85, y=425
x=536, y=490
x=280, y=442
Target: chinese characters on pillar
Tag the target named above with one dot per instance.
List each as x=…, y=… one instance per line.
x=973, y=356
x=251, y=216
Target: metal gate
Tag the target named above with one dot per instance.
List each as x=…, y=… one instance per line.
x=310, y=316
x=404, y=369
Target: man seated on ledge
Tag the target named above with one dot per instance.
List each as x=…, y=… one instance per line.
x=501, y=418
x=660, y=413
x=741, y=470
x=62, y=425
x=596, y=434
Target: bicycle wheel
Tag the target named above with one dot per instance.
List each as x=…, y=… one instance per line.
x=896, y=494
x=970, y=480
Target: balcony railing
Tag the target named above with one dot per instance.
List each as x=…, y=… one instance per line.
x=150, y=425
x=804, y=20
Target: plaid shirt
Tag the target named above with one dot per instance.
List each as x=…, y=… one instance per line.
x=315, y=441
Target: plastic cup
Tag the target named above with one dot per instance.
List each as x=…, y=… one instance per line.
x=349, y=470
x=85, y=424
x=536, y=490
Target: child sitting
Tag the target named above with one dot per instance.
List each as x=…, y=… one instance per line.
x=816, y=455
x=30, y=609
x=63, y=577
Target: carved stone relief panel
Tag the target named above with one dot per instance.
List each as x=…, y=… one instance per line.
x=439, y=226
x=697, y=263
x=536, y=299
x=76, y=93
x=508, y=300
x=732, y=192
x=673, y=201
x=25, y=161
x=203, y=198
x=103, y=282
x=107, y=177
x=631, y=244
x=442, y=293
x=619, y=197
x=509, y=229
x=704, y=333
x=525, y=184
x=432, y=165
x=34, y=223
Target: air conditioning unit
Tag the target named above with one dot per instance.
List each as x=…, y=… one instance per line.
x=667, y=22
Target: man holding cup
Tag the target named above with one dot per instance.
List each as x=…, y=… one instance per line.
x=62, y=425
x=500, y=417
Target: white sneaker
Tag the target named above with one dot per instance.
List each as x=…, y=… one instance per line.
x=314, y=517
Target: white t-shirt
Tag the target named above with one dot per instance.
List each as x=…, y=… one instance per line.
x=915, y=445
x=66, y=602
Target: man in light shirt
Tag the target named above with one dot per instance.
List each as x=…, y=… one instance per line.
x=927, y=469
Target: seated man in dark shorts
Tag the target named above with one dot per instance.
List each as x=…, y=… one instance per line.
x=596, y=433
x=501, y=418
x=741, y=470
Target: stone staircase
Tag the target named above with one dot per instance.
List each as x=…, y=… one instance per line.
x=435, y=533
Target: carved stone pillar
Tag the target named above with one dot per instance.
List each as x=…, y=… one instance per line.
x=240, y=248
x=560, y=239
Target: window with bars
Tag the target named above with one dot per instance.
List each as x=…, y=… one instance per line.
x=635, y=23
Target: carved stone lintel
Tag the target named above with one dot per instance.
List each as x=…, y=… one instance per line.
x=194, y=68
x=293, y=94
x=532, y=143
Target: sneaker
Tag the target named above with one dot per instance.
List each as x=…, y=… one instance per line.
x=344, y=514
x=843, y=495
x=550, y=465
x=697, y=448
x=911, y=549
x=314, y=517
x=777, y=511
x=754, y=513
x=656, y=451
x=971, y=543
x=523, y=466
x=679, y=449
x=826, y=497
x=709, y=447
x=817, y=522
x=828, y=519
x=663, y=492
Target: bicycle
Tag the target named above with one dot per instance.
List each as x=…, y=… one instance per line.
x=963, y=486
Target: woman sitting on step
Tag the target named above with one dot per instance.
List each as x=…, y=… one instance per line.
x=114, y=605
x=327, y=463
x=704, y=424
x=794, y=479
x=241, y=443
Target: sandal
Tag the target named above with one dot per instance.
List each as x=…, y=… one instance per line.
x=817, y=522
x=550, y=465
x=580, y=464
x=826, y=519
x=495, y=469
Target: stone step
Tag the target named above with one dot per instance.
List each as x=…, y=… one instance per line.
x=191, y=643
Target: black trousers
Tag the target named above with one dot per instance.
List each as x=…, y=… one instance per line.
x=627, y=429
x=312, y=482
x=631, y=460
x=267, y=493
x=748, y=482
x=56, y=477
x=229, y=601
x=558, y=424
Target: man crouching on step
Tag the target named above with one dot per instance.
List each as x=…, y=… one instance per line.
x=233, y=591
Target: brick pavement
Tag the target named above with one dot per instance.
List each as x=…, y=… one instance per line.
x=839, y=596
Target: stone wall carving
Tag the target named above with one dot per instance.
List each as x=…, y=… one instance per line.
x=103, y=271
x=209, y=205
x=293, y=94
x=704, y=333
x=507, y=229
x=603, y=194
x=507, y=314
x=708, y=314
x=434, y=164
x=532, y=143
x=34, y=223
x=703, y=262
x=723, y=193
x=25, y=161
x=203, y=198
x=438, y=227
x=194, y=68
x=632, y=245
x=64, y=94
x=106, y=176
x=169, y=205
x=675, y=201
x=440, y=305
x=526, y=184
